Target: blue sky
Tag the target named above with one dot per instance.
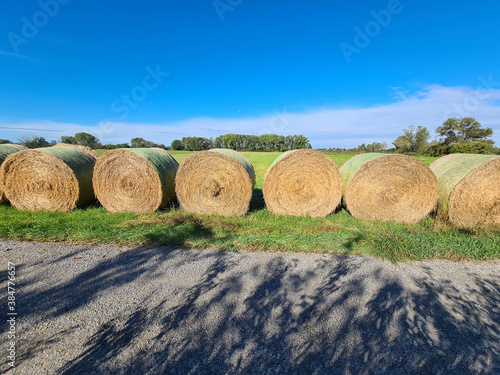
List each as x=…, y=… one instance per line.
x=340, y=72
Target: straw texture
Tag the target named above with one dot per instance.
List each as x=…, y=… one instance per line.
x=135, y=180
x=218, y=181
x=469, y=188
x=6, y=150
x=388, y=188
x=302, y=182
x=53, y=179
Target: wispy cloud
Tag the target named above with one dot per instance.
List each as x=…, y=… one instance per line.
x=13, y=55
x=325, y=127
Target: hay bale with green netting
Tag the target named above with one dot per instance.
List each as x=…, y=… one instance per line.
x=302, y=182
x=469, y=188
x=6, y=150
x=86, y=149
x=218, y=181
x=52, y=178
x=388, y=188
x=137, y=180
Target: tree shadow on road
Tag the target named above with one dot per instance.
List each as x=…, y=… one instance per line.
x=328, y=317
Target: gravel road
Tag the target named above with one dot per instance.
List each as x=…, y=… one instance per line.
x=109, y=310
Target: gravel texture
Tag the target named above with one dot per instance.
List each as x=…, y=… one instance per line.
x=108, y=310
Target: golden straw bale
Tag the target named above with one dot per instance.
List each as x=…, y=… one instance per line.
x=6, y=150
x=388, y=188
x=302, y=182
x=469, y=188
x=135, y=180
x=218, y=181
x=52, y=178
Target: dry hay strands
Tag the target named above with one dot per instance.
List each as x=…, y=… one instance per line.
x=469, y=188
x=137, y=180
x=388, y=188
x=302, y=182
x=52, y=178
x=6, y=150
x=86, y=149
x=218, y=181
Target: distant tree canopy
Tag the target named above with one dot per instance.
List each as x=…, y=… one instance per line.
x=462, y=135
x=372, y=147
x=142, y=143
x=34, y=141
x=82, y=139
x=240, y=142
x=177, y=145
x=467, y=129
x=414, y=139
x=4, y=141
x=265, y=142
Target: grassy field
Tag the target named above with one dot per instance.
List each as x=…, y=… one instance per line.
x=258, y=231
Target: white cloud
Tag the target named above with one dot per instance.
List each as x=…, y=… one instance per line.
x=325, y=127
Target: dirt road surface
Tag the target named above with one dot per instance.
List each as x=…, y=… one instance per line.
x=108, y=310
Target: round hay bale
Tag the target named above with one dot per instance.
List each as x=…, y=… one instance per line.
x=218, y=181
x=52, y=178
x=6, y=150
x=469, y=188
x=302, y=182
x=86, y=149
x=388, y=188
x=137, y=180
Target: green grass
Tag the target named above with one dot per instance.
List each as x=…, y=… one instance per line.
x=258, y=231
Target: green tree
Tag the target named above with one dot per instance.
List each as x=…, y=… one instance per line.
x=301, y=141
x=414, y=139
x=86, y=139
x=4, y=141
x=68, y=139
x=376, y=147
x=466, y=129
x=177, y=144
x=33, y=141
x=483, y=146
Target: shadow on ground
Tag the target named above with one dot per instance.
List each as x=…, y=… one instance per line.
x=279, y=317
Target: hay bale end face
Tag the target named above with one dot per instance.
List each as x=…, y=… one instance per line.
x=137, y=180
x=53, y=179
x=302, y=182
x=6, y=150
x=384, y=187
x=469, y=188
x=218, y=181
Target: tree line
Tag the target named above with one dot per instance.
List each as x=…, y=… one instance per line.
x=241, y=142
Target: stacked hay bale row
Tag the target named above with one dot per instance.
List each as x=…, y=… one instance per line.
x=220, y=181
x=469, y=188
